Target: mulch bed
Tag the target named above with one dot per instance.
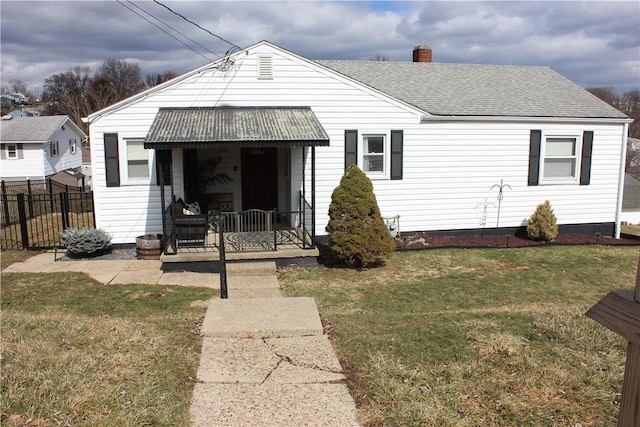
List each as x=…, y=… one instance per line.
x=427, y=241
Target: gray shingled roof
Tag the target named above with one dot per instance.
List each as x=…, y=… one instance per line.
x=201, y=127
x=477, y=90
x=631, y=193
x=30, y=129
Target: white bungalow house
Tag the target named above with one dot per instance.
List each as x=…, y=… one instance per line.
x=39, y=147
x=268, y=129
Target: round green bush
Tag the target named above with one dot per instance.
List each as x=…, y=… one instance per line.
x=357, y=234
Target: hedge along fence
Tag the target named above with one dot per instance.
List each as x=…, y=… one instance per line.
x=35, y=221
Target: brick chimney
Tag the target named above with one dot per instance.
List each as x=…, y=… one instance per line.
x=422, y=53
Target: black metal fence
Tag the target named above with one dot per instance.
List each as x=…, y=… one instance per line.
x=39, y=186
x=35, y=221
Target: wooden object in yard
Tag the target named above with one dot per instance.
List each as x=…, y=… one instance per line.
x=620, y=312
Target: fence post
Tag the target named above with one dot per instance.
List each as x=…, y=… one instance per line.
x=64, y=210
x=29, y=198
x=50, y=186
x=4, y=189
x=223, y=261
x=23, y=221
x=5, y=208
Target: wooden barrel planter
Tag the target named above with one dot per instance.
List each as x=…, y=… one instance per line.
x=149, y=246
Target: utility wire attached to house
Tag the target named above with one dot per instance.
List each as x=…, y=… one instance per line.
x=166, y=32
x=173, y=29
x=193, y=23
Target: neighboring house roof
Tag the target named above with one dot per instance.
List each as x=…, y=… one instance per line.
x=478, y=90
x=197, y=127
x=34, y=129
x=19, y=113
x=631, y=193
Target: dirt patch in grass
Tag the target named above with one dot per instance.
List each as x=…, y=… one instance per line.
x=428, y=241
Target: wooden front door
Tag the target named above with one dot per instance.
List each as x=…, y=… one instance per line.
x=259, y=178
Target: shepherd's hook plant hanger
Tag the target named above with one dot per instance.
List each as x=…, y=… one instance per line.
x=500, y=188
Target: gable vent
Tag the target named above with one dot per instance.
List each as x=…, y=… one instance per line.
x=265, y=68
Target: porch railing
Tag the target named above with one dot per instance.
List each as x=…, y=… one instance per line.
x=253, y=230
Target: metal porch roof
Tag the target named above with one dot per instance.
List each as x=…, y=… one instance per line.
x=208, y=127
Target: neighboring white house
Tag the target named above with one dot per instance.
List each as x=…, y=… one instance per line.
x=631, y=200
x=434, y=138
x=38, y=147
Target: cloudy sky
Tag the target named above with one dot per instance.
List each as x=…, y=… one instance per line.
x=593, y=43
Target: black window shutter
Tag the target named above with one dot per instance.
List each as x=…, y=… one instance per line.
x=585, y=164
x=20, y=153
x=534, y=156
x=350, y=148
x=111, y=159
x=163, y=157
x=397, y=137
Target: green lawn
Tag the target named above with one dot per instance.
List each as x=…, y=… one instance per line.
x=76, y=352
x=477, y=337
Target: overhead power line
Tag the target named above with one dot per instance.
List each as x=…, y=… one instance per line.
x=193, y=23
x=166, y=32
x=169, y=26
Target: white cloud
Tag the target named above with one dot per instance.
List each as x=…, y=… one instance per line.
x=594, y=43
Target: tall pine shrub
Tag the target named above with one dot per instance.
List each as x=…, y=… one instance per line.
x=543, y=224
x=357, y=234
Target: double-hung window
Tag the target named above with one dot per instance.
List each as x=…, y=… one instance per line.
x=137, y=166
x=560, y=161
x=374, y=154
x=378, y=154
x=53, y=148
x=72, y=146
x=12, y=151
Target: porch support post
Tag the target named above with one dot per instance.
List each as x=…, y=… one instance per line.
x=313, y=196
x=164, y=220
x=304, y=198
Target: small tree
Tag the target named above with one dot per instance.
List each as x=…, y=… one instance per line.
x=543, y=224
x=357, y=233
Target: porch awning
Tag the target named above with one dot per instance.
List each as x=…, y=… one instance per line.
x=209, y=127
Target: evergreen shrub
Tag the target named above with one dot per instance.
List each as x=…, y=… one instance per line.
x=543, y=224
x=85, y=241
x=357, y=234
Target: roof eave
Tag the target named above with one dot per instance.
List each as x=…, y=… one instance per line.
x=529, y=119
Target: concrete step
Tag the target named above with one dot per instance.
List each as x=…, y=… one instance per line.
x=254, y=268
x=262, y=318
x=268, y=405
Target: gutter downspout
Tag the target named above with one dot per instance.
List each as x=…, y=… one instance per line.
x=623, y=161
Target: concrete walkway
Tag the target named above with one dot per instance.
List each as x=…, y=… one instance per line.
x=265, y=360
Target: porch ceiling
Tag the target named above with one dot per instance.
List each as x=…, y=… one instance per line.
x=207, y=127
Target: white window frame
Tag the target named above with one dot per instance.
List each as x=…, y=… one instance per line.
x=363, y=154
x=124, y=166
x=54, y=149
x=72, y=146
x=8, y=151
x=576, y=158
